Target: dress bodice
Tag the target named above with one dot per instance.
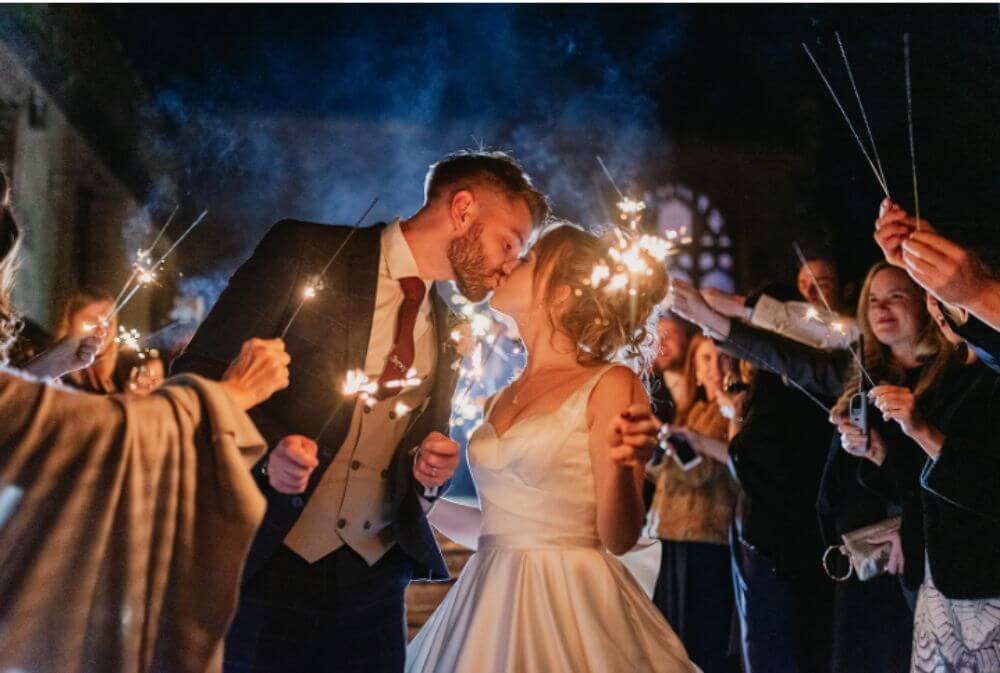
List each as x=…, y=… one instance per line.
x=536, y=478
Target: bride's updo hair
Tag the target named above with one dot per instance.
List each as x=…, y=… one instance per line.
x=605, y=325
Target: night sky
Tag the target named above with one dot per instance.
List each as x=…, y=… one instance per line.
x=309, y=111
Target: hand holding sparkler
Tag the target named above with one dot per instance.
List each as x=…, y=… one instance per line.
x=893, y=226
x=73, y=353
x=686, y=301
x=729, y=305
x=259, y=371
x=291, y=463
x=435, y=461
x=951, y=273
x=634, y=436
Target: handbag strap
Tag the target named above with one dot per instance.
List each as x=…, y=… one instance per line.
x=826, y=563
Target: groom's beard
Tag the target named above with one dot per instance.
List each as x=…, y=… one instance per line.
x=468, y=262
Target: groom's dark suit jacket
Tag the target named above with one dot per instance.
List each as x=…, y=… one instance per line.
x=328, y=338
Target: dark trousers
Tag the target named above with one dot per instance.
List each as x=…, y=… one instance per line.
x=337, y=615
x=872, y=627
x=784, y=621
x=694, y=591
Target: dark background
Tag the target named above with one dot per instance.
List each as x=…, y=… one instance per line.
x=310, y=111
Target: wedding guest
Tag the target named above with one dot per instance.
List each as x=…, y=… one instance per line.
x=669, y=389
x=104, y=539
x=872, y=624
x=30, y=353
x=691, y=514
x=127, y=520
x=960, y=528
x=784, y=600
x=816, y=322
x=968, y=289
x=10, y=243
x=82, y=313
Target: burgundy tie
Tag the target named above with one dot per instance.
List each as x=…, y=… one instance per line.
x=403, y=350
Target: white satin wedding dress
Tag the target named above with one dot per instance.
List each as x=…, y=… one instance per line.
x=542, y=594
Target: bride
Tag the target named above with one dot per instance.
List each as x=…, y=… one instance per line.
x=559, y=487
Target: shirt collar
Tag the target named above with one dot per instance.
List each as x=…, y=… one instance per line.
x=396, y=253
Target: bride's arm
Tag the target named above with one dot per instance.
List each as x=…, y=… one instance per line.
x=459, y=523
x=619, y=459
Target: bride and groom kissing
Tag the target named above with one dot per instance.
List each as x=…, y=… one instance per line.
x=558, y=462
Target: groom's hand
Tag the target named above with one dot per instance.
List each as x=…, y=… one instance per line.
x=436, y=460
x=291, y=463
x=634, y=436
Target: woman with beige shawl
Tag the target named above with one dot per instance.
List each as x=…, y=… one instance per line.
x=124, y=520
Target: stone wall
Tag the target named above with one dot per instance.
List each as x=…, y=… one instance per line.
x=69, y=205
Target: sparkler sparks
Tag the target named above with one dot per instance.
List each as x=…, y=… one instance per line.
x=128, y=338
x=804, y=263
x=410, y=381
x=631, y=211
x=357, y=383
x=144, y=269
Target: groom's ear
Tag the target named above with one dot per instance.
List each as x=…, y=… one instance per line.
x=463, y=210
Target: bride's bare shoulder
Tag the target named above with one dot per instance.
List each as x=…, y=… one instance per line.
x=617, y=386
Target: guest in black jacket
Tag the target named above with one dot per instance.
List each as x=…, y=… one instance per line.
x=872, y=628
x=783, y=596
x=955, y=275
x=954, y=478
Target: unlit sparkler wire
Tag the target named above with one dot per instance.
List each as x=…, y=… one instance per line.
x=909, y=119
x=847, y=119
x=864, y=115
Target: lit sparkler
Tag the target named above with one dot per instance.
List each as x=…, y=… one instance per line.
x=411, y=380
x=842, y=329
x=128, y=338
x=144, y=270
x=315, y=283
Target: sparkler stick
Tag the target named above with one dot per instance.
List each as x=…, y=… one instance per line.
x=822, y=296
x=909, y=119
x=864, y=115
x=163, y=229
x=355, y=383
x=847, y=119
x=610, y=177
x=310, y=290
x=144, y=253
x=117, y=309
x=180, y=238
x=146, y=275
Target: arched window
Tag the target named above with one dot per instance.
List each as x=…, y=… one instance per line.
x=708, y=260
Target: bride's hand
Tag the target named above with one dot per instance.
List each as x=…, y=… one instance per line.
x=633, y=436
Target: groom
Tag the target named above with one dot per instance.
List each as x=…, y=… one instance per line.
x=345, y=530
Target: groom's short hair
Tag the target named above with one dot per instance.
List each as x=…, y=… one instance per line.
x=497, y=169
